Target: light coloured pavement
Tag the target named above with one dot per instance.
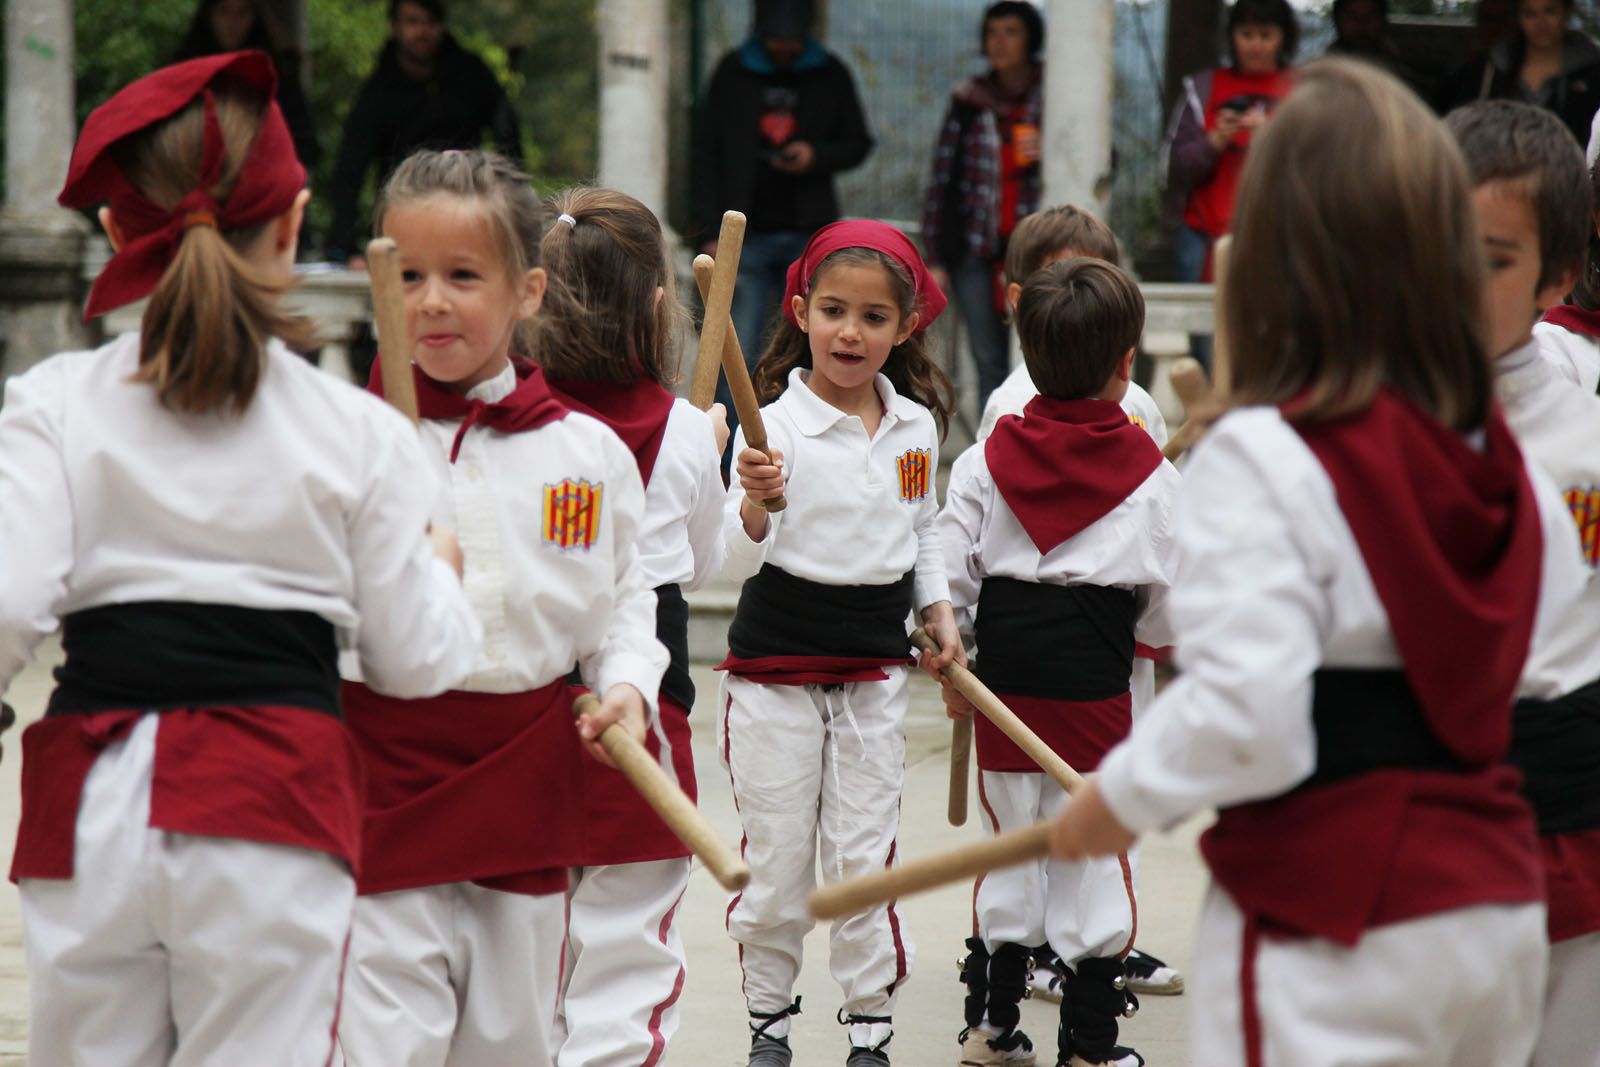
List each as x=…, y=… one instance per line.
x=713, y=1032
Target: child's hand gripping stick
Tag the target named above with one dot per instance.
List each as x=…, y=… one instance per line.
x=394, y=337
x=995, y=711
x=669, y=801
x=718, y=299
x=733, y=365
x=957, y=865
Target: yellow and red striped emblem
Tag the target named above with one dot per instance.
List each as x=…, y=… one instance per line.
x=572, y=513
x=1585, y=507
x=915, y=468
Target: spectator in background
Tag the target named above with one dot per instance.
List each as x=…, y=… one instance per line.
x=426, y=92
x=1547, y=64
x=1210, y=131
x=779, y=119
x=1495, y=21
x=1361, y=31
x=986, y=180
x=231, y=25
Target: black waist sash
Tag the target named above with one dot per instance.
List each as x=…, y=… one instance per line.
x=672, y=630
x=1556, y=745
x=165, y=655
x=1368, y=720
x=1059, y=642
x=782, y=615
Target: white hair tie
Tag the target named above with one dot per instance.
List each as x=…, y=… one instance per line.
x=568, y=219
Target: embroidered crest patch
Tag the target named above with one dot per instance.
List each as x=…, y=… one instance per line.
x=915, y=468
x=1585, y=507
x=572, y=514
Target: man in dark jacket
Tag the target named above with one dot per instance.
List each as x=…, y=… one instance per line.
x=427, y=92
x=780, y=117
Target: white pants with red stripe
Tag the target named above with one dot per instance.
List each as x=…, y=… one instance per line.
x=453, y=975
x=171, y=950
x=1457, y=988
x=817, y=769
x=1570, y=1034
x=625, y=964
x=1082, y=909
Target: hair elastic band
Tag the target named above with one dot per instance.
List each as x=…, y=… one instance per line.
x=568, y=219
x=200, y=217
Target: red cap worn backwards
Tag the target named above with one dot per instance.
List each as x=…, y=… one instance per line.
x=268, y=182
x=864, y=233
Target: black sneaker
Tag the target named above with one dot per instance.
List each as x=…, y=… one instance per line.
x=770, y=1052
x=866, y=1057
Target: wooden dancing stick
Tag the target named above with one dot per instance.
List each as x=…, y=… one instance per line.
x=957, y=865
x=996, y=712
x=960, y=757
x=719, y=303
x=1221, y=364
x=1200, y=406
x=733, y=366
x=394, y=337
x=668, y=800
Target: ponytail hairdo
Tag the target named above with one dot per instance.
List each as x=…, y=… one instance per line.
x=864, y=242
x=503, y=191
x=196, y=164
x=614, y=318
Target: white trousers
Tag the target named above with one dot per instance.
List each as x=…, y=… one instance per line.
x=453, y=976
x=1082, y=909
x=1458, y=988
x=817, y=770
x=1570, y=1034
x=173, y=950
x=625, y=964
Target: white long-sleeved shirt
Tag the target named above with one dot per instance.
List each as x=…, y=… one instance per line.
x=1577, y=357
x=1558, y=426
x=546, y=602
x=680, y=538
x=1014, y=393
x=1270, y=587
x=850, y=518
x=1130, y=547
x=314, y=499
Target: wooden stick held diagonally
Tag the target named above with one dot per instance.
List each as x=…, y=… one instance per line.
x=960, y=759
x=668, y=800
x=996, y=712
x=733, y=365
x=959, y=864
x=719, y=304
x=394, y=337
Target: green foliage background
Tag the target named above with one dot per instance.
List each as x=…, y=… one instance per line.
x=545, y=52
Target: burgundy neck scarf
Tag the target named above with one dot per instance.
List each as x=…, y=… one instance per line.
x=637, y=412
x=527, y=407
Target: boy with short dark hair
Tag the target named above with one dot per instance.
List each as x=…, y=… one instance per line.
x=1057, y=534
x=1533, y=203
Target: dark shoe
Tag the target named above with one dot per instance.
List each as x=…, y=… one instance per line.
x=1146, y=974
x=866, y=1057
x=770, y=1052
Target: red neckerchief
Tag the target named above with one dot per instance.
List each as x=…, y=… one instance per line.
x=1452, y=539
x=637, y=412
x=529, y=406
x=1064, y=464
x=1581, y=321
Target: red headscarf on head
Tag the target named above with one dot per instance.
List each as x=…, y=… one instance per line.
x=864, y=233
x=268, y=182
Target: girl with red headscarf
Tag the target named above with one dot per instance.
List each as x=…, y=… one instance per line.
x=813, y=706
x=208, y=518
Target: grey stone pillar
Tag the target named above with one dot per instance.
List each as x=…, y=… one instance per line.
x=41, y=245
x=635, y=93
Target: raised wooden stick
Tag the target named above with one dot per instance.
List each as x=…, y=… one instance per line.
x=960, y=758
x=996, y=712
x=668, y=800
x=733, y=366
x=719, y=303
x=394, y=337
x=1200, y=407
x=959, y=864
x=1221, y=361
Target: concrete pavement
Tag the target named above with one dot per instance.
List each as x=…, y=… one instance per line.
x=713, y=1032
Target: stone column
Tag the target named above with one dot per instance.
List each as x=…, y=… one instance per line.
x=635, y=93
x=41, y=245
x=1077, y=108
